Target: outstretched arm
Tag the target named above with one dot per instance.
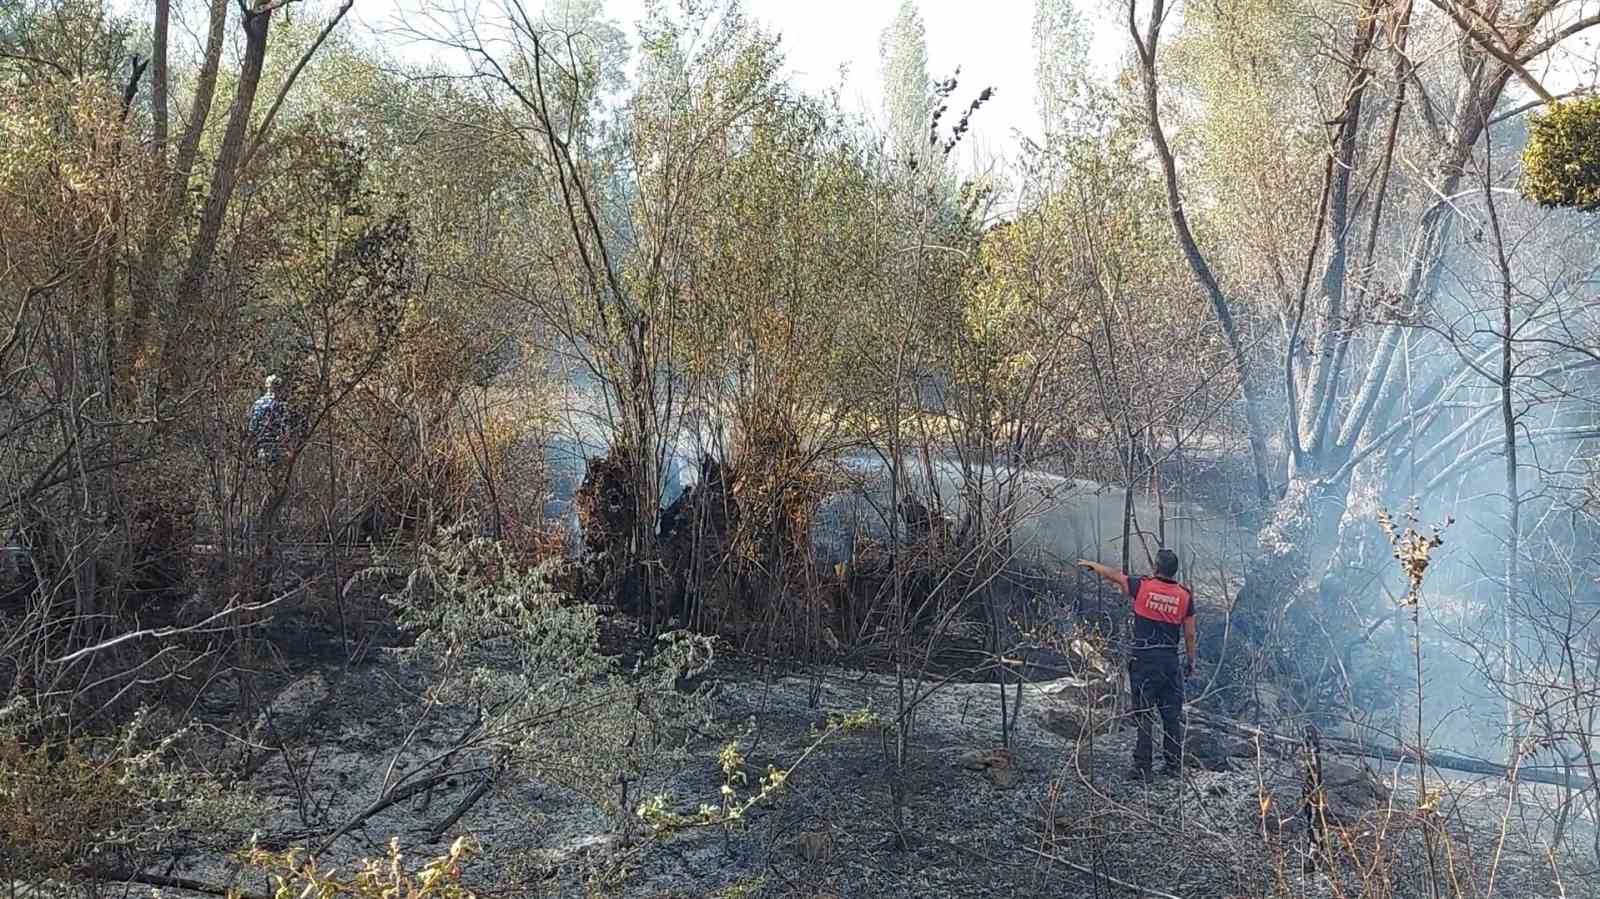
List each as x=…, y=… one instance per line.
x=1110, y=574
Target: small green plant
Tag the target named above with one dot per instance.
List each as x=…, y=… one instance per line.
x=661, y=820
x=295, y=874
x=744, y=889
x=1561, y=162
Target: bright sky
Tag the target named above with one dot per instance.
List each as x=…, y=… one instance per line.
x=991, y=42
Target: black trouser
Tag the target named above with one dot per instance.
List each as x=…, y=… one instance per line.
x=1156, y=676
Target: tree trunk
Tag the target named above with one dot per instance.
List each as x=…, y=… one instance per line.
x=1282, y=583
x=162, y=221
x=1508, y=420
x=226, y=174
x=158, y=80
x=1254, y=420
x=223, y=181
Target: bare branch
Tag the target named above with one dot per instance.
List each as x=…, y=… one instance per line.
x=163, y=632
x=1493, y=47
x=163, y=881
x=288, y=83
x=1535, y=104
x=1572, y=29
x=1147, y=45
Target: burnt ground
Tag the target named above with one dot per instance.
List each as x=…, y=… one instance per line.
x=968, y=833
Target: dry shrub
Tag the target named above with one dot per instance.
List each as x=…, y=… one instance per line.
x=400, y=464
x=58, y=806
x=161, y=529
x=737, y=544
x=87, y=803
x=867, y=604
x=780, y=486
x=1393, y=851
x=509, y=484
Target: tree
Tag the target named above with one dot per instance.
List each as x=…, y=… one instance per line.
x=1061, y=50
x=903, y=53
x=762, y=350
x=608, y=293
x=1351, y=310
x=47, y=40
x=234, y=152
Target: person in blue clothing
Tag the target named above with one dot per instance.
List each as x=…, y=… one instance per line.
x=1163, y=610
x=268, y=422
x=271, y=428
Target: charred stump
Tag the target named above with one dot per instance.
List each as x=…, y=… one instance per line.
x=161, y=546
x=1291, y=592
x=696, y=534
x=607, y=506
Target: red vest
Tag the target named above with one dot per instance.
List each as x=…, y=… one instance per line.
x=1162, y=601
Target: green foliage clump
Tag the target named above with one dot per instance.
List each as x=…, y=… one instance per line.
x=502, y=640
x=1561, y=163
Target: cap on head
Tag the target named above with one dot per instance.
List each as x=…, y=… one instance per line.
x=1166, y=563
x=272, y=381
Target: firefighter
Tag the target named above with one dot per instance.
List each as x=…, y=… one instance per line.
x=1162, y=610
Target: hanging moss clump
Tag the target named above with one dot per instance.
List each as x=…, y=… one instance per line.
x=1561, y=163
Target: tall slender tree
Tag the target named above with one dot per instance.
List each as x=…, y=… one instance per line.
x=907, y=100
x=1060, y=54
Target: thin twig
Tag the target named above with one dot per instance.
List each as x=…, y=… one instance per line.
x=169, y=631
x=174, y=883
x=472, y=799
x=389, y=798
x=1148, y=891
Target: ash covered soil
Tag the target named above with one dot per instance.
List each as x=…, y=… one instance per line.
x=1031, y=821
